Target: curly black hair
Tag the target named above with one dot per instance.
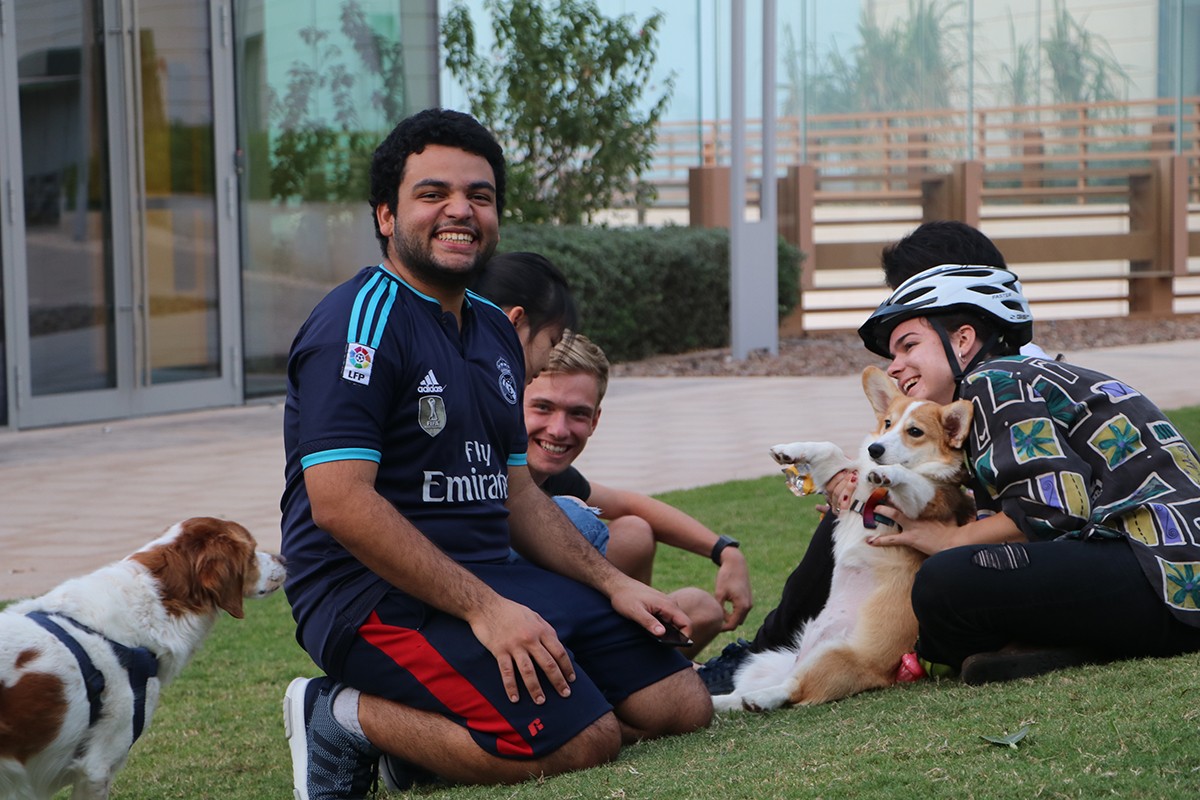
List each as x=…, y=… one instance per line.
x=432, y=126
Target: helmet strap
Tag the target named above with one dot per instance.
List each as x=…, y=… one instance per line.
x=952, y=357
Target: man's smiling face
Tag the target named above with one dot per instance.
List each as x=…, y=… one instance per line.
x=561, y=413
x=446, y=224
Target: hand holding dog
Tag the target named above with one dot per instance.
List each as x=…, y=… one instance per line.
x=933, y=537
x=924, y=536
x=839, y=491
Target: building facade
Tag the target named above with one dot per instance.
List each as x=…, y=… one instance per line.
x=181, y=180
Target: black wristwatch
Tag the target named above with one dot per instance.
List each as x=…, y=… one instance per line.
x=719, y=547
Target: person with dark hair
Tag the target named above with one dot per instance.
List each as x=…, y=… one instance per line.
x=807, y=588
x=535, y=296
x=938, y=242
x=406, y=485
x=433, y=125
x=1087, y=543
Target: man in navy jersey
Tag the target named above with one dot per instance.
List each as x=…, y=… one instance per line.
x=406, y=484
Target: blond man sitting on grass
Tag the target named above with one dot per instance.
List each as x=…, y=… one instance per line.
x=562, y=410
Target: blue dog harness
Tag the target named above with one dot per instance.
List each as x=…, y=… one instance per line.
x=139, y=663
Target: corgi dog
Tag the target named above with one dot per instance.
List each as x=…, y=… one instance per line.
x=915, y=455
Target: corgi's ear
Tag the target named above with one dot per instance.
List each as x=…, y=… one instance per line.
x=879, y=388
x=956, y=422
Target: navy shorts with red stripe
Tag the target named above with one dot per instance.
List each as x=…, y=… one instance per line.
x=420, y=657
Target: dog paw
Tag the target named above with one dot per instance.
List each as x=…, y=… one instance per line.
x=881, y=476
x=787, y=453
x=764, y=700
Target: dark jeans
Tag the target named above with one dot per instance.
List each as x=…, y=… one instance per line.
x=1066, y=593
x=804, y=593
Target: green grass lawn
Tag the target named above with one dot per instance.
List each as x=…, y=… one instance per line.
x=1128, y=730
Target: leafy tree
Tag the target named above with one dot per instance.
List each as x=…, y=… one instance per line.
x=561, y=87
x=320, y=156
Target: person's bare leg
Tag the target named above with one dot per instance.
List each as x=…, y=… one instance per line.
x=705, y=613
x=631, y=547
x=679, y=703
x=445, y=748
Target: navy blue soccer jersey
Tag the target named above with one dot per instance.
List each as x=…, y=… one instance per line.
x=379, y=373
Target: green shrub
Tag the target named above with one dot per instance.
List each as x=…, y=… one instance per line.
x=646, y=291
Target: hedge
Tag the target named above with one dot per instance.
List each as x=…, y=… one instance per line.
x=647, y=291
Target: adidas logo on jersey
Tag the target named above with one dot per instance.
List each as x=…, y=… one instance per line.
x=429, y=384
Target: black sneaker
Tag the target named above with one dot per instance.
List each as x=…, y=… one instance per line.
x=1022, y=661
x=398, y=775
x=328, y=761
x=717, y=673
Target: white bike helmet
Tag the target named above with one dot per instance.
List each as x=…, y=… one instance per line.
x=989, y=291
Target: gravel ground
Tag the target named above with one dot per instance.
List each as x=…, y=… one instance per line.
x=842, y=352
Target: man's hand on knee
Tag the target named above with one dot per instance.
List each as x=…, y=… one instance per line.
x=524, y=643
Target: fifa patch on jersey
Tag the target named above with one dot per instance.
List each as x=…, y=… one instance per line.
x=357, y=367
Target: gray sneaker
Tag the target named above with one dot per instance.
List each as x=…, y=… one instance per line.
x=328, y=761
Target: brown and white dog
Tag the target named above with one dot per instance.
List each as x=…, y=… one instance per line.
x=81, y=668
x=867, y=624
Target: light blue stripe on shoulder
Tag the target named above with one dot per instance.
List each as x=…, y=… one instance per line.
x=518, y=460
x=356, y=312
x=471, y=295
x=369, y=322
x=392, y=289
x=342, y=454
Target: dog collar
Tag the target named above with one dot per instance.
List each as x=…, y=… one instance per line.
x=867, y=507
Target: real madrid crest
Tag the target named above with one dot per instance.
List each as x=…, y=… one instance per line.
x=508, y=384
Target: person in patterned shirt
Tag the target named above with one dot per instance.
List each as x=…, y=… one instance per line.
x=1088, y=536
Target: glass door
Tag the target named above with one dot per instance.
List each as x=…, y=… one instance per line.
x=129, y=262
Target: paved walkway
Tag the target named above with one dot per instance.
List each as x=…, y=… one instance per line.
x=75, y=497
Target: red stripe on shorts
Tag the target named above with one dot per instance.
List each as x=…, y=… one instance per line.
x=412, y=651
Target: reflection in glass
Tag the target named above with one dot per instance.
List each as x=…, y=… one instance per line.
x=318, y=88
x=64, y=154
x=180, y=281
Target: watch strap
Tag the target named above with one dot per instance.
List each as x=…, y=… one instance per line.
x=719, y=547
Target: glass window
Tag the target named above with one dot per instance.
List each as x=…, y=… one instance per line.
x=319, y=86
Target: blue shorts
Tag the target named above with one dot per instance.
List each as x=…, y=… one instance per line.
x=415, y=655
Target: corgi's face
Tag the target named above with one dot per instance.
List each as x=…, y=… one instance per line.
x=913, y=432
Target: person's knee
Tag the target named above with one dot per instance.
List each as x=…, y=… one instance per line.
x=596, y=744
x=679, y=703
x=692, y=708
x=703, y=610
x=933, y=586
x=631, y=546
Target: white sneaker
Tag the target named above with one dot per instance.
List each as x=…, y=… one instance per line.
x=297, y=709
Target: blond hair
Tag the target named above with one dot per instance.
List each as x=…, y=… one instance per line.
x=578, y=355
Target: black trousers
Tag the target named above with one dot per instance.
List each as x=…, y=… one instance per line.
x=804, y=593
x=1070, y=593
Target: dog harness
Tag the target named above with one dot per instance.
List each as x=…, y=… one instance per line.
x=867, y=508
x=139, y=663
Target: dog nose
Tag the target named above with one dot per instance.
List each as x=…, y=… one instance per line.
x=875, y=450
